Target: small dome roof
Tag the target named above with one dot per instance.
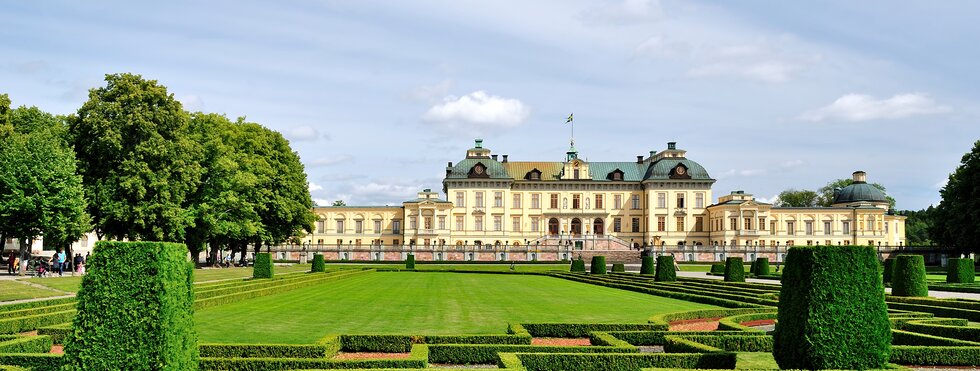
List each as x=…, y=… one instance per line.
x=859, y=192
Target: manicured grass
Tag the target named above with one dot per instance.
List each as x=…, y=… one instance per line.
x=10, y=290
x=460, y=267
x=424, y=303
x=755, y=361
x=704, y=268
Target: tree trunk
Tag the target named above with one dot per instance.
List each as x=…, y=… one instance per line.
x=213, y=254
x=25, y=254
x=244, y=247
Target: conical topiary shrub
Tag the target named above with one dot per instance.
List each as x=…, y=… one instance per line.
x=909, y=277
x=410, y=261
x=647, y=266
x=578, y=265
x=665, y=269
x=619, y=268
x=718, y=268
x=598, y=265
x=734, y=270
x=318, y=265
x=960, y=271
x=760, y=267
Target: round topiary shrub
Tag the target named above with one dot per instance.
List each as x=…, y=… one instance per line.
x=665, y=269
x=760, y=267
x=849, y=332
x=647, y=266
x=734, y=270
x=909, y=277
x=318, y=265
x=960, y=271
x=888, y=270
x=578, y=265
x=619, y=268
x=598, y=265
x=718, y=268
x=410, y=261
x=263, y=266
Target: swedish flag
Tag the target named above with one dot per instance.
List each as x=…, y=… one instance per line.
x=569, y=120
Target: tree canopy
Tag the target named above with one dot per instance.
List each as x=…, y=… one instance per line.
x=827, y=192
x=339, y=203
x=797, y=198
x=824, y=196
x=957, y=218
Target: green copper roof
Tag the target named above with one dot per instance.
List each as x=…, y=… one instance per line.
x=495, y=170
x=632, y=171
x=858, y=192
x=661, y=169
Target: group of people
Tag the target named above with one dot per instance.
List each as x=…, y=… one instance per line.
x=58, y=262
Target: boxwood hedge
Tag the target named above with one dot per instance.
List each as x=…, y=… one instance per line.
x=410, y=261
x=598, y=265
x=647, y=265
x=665, y=269
x=263, y=266
x=888, y=270
x=718, y=268
x=318, y=264
x=619, y=268
x=578, y=265
x=734, y=270
x=135, y=310
x=909, y=276
x=851, y=331
x=760, y=267
x=960, y=271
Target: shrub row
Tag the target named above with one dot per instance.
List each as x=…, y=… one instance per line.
x=734, y=323
x=58, y=333
x=29, y=323
x=27, y=344
x=971, y=315
x=35, y=304
x=745, y=285
x=601, y=338
x=728, y=342
x=967, y=288
x=650, y=338
x=245, y=285
x=417, y=359
x=376, y=343
x=961, y=332
x=935, y=356
x=665, y=319
x=726, y=287
x=580, y=330
x=950, y=303
x=461, y=354
x=38, y=310
x=678, y=344
x=669, y=293
x=902, y=337
x=627, y=361
x=264, y=351
x=34, y=361
x=476, y=339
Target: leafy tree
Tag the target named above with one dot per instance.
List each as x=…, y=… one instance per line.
x=797, y=198
x=137, y=160
x=957, y=220
x=5, y=128
x=919, y=226
x=827, y=192
x=40, y=193
x=339, y=203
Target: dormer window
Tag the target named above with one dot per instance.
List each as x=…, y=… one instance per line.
x=679, y=172
x=478, y=171
x=615, y=175
x=533, y=175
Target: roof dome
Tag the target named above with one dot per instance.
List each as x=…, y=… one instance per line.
x=859, y=191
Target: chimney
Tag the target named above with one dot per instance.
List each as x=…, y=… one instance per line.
x=639, y=159
x=450, y=164
x=479, y=143
x=494, y=157
x=652, y=153
x=671, y=145
x=505, y=158
x=860, y=177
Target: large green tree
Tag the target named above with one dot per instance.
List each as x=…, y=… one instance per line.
x=40, y=193
x=918, y=226
x=957, y=218
x=827, y=192
x=137, y=159
x=5, y=128
x=797, y=198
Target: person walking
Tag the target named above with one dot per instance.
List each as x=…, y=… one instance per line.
x=11, y=262
x=77, y=263
x=60, y=255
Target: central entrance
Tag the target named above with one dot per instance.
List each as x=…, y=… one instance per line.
x=553, y=227
x=576, y=227
x=597, y=226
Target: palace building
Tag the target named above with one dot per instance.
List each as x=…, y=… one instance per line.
x=662, y=199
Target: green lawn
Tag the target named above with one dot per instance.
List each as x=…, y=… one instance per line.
x=424, y=303
x=10, y=290
x=457, y=267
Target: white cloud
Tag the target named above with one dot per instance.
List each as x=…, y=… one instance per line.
x=329, y=161
x=322, y=202
x=303, y=133
x=431, y=93
x=862, y=107
x=660, y=47
x=791, y=164
x=731, y=173
x=769, y=200
x=192, y=103
x=315, y=187
x=478, y=111
x=624, y=12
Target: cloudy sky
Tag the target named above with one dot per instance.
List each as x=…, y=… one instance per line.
x=376, y=96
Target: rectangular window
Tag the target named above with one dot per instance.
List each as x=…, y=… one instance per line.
x=809, y=227
x=680, y=200
x=319, y=226
x=377, y=226
x=479, y=199
x=680, y=224
x=576, y=201
x=636, y=202
x=636, y=225
x=598, y=201
x=661, y=200
x=478, y=223
x=534, y=225
x=847, y=227
x=536, y=201
x=498, y=199
x=699, y=224
x=412, y=223
x=427, y=222
x=618, y=202
x=747, y=224
x=791, y=228
x=886, y=227
x=497, y=224
x=554, y=200
x=617, y=224
x=826, y=228
x=734, y=223
x=396, y=242
x=459, y=223
x=442, y=222
x=699, y=200
x=772, y=226
x=517, y=201
x=661, y=223
x=762, y=223
x=358, y=226
x=340, y=226
x=516, y=227
x=396, y=227
x=460, y=196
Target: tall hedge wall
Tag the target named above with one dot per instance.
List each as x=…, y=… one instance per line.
x=318, y=264
x=734, y=270
x=263, y=266
x=960, y=271
x=135, y=310
x=909, y=276
x=598, y=265
x=647, y=266
x=665, y=269
x=851, y=331
x=888, y=270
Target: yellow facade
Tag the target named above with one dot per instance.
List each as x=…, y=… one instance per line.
x=663, y=199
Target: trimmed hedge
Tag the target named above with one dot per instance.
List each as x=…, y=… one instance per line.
x=717, y=268
x=888, y=270
x=734, y=270
x=58, y=333
x=935, y=356
x=650, y=338
x=27, y=344
x=734, y=323
x=34, y=361
x=665, y=269
x=464, y=354
x=417, y=359
x=376, y=343
x=909, y=276
x=598, y=265
x=318, y=265
x=960, y=331
x=901, y=337
x=728, y=343
x=627, y=361
x=581, y=330
x=410, y=261
x=34, y=304
x=263, y=267
x=619, y=268
x=37, y=310
x=960, y=271
x=264, y=351
x=852, y=330
x=760, y=267
x=512, y=339
x=578, y=265
x=647, y=267
x=135, y=310
x=34, y=322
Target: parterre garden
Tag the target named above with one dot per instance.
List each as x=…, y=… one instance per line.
x=393, y=317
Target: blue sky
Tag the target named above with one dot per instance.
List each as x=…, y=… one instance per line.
x=377, y=96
